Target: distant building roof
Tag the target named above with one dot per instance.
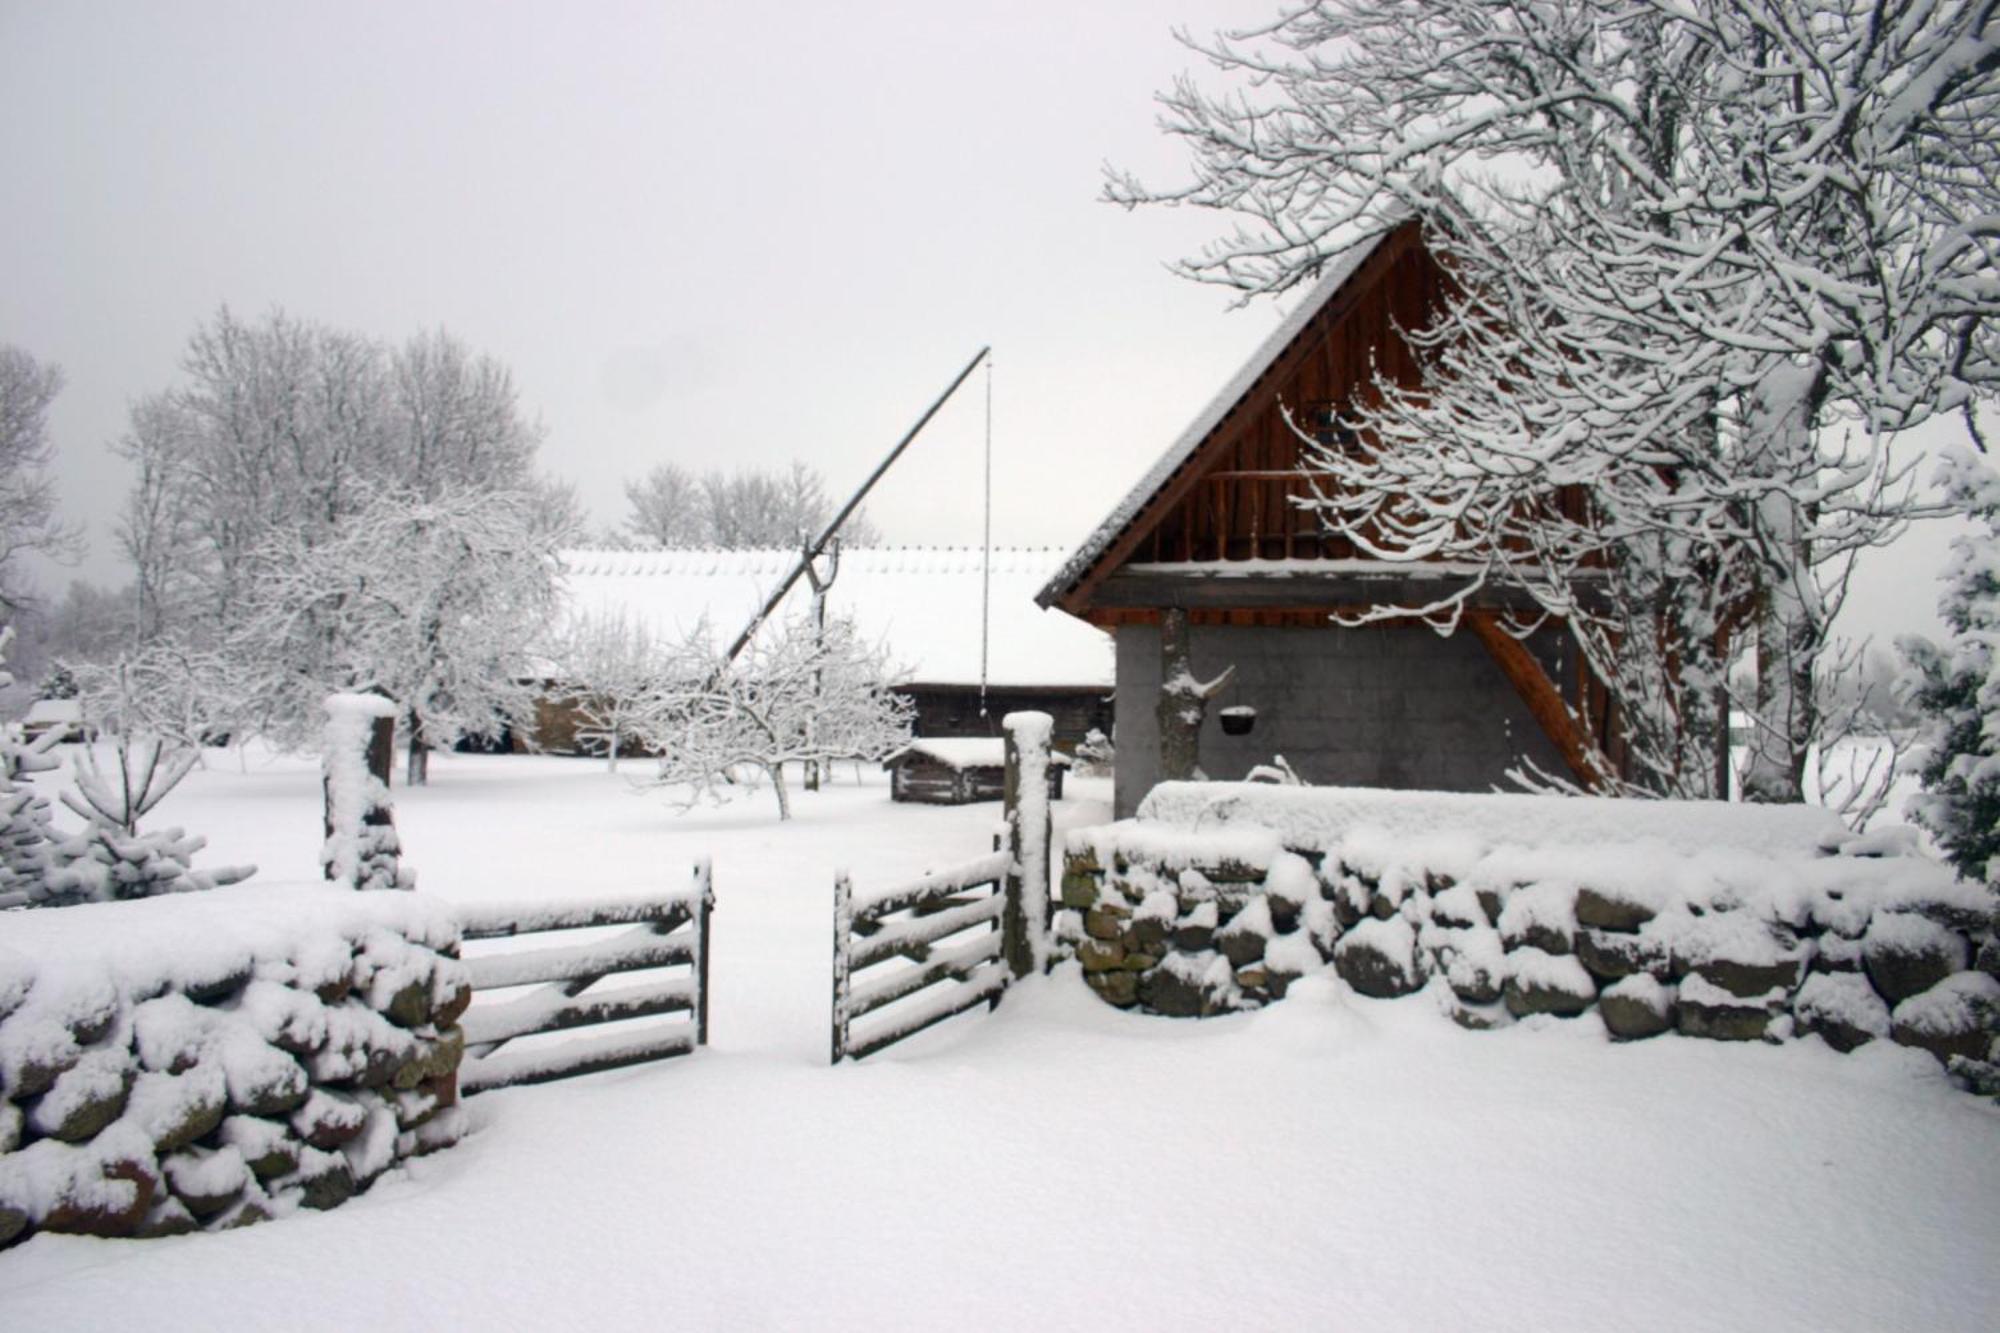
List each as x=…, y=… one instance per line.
x=923, y=602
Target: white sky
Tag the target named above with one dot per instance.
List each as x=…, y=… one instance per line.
x=720, y=234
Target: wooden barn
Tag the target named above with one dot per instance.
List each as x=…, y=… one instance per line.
x=1210, y=564
x=932, y=607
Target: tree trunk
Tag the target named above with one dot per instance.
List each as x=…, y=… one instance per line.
x=777, y=772
x=419, y=771
x=1791, y=622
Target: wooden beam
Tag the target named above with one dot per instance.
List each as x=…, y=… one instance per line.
x=1234, y=586
x=1176, y=486
x=1545, y=702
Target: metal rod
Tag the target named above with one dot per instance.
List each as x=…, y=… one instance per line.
x=847, y=510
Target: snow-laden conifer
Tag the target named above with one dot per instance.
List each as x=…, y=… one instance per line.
x=1956, y=687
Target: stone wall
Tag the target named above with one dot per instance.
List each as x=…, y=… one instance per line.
x=1855, y=942
x=1382, y=707
x=212, y=1060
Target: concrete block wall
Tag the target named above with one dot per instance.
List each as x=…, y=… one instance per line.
x=1380, y=707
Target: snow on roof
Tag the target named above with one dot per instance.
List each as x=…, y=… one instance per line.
x=1338, y=272
x=922, y=602
x=968, y=751
x=50, y=712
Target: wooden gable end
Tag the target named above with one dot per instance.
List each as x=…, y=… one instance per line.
x=1235, y=498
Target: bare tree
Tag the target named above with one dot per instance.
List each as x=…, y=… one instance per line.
x=434, y=603
x=668, y=508
x=29, y=524
x=611, y=670
x=794, y=696
x=744, y=510
x=1710, y=258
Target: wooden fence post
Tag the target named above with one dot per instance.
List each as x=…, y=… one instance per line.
x=704, y=904
x=1026, y=796
x=843, y=922
x=359, y=845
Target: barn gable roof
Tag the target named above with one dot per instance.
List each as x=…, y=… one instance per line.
x=923, y=603
x=1356, y=268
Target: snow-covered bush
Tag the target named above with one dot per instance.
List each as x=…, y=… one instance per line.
x=220, y=1059
x=111, y=858
x=1734, y=923
x=1956, y=687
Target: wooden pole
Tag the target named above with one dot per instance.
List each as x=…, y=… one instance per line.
x=1026, y=797
x=843, y=921
x=704, y=885
x=847, y=510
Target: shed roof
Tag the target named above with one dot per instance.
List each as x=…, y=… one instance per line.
x=924, y=603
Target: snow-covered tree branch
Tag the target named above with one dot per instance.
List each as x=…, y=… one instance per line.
x=1710, y=257
x=794, y=695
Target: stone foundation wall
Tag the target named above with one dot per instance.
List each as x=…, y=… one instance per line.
x=1857, y=944
x=213, y=1060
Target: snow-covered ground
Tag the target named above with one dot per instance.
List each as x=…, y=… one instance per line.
x=1329, y=1162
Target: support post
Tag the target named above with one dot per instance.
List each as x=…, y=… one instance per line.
x=704, y=887
x=360, y=848
x=843, y=935
x=1026, y=796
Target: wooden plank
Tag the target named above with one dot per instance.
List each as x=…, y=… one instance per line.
x=988, y=869
x=492, y=921
x=553, y=1009
x=1153, y=514
x=912, y=939
x=628, y=952
x=983, y=990
x=612, y=1051
x=1545, y=703
x=953, y=964
x=1231, y=587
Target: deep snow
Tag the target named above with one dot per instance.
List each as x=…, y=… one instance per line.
x=1329, y=1162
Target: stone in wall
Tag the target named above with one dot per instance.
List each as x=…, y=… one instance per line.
x=210, y=1061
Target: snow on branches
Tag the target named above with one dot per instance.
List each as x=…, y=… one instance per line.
x=610, y=670
x=1708, y=258
x=1956, y=687
x=433, y=602
x=796, y=694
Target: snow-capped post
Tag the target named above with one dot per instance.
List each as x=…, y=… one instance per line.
x=361, y=848
x=1026, y=796
x=1183, y=699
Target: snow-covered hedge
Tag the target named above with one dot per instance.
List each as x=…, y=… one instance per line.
x=1731, y=922
x=215, y=1059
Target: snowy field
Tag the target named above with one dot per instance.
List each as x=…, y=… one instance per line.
x=1331, y=1162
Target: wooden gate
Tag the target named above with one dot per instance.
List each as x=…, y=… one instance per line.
x=505, y=1032
x=953, y=939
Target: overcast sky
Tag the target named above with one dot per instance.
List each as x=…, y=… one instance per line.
x=717, y=234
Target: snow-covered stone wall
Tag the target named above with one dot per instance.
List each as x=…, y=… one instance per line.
x=1712, y=921
x=211, y=1060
